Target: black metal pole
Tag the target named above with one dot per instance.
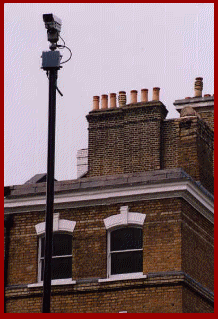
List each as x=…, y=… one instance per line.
x=8, y=223
x=50, y=191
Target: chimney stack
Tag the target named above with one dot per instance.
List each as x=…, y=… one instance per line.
x=104, y=102
x=122, y=98
x=95, y=103
x=156, y=92
x=144, y=95
x=198, y=87
x=133, y=96
x=113, y=104
x=120, y=140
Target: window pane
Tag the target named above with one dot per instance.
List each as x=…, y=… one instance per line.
x=129, y=262
x=62, y=244
x=60, y=268
x=126, y=238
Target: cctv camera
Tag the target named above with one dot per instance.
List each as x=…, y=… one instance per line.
x=53, y=26
x=52, y=22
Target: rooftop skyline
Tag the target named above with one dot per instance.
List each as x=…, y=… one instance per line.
x=116, y=46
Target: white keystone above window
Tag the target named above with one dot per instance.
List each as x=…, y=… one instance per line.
x=58, y=225
x=124, y=218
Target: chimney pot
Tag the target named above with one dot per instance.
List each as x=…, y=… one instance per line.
x=133, y=96
x=95, y=103
x=156, y=92
x=144, y=95
x=113, y=104
x=122, y=98
x=198, y=87
x=104, y=102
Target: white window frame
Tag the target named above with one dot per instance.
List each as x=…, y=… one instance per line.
x=124, y=275
x=125, y=218
x=59, y=226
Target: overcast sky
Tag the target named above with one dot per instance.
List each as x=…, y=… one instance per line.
x=115, y=46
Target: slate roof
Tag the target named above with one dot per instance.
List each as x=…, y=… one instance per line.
x=100, y=182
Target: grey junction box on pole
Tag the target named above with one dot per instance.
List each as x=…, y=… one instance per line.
x=51, y=59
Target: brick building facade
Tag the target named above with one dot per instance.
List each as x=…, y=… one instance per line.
x=134, y=233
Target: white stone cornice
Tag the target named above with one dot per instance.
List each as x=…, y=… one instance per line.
x=185, y=189
x=195, y=104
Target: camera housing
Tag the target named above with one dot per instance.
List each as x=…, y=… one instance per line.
x=52, y=22
x=53, y=26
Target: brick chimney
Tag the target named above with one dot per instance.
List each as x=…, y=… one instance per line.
x=198, y=87
x=127, y=138
x=195, y=147
x=204, y=105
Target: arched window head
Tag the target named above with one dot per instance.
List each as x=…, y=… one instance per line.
x=58, y=225
x=124, y=218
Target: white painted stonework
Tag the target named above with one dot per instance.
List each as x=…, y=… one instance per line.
x=124, y=218
x=55, y=282
x=123, y=277
x=128, y=193
x=58, y=225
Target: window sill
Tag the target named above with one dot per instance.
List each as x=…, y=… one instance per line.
x=123, y=277
x=56, y=282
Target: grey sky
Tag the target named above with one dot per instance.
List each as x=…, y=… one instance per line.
x=115, y=47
